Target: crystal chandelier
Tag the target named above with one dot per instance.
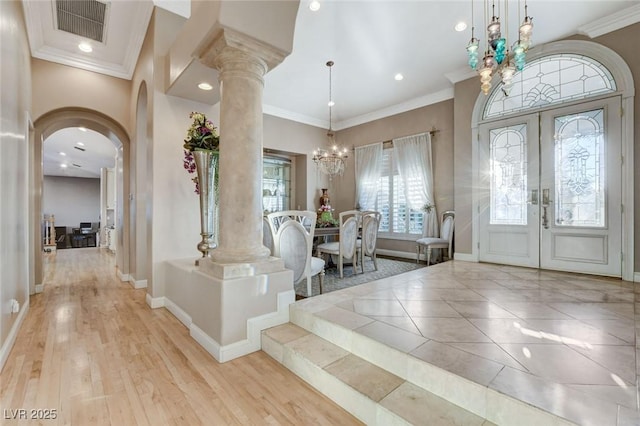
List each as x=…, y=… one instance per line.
x=330, y=161
x=498, y=59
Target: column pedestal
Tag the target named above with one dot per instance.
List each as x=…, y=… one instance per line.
x=226, y=307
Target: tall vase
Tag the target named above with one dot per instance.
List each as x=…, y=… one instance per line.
x=206, y=163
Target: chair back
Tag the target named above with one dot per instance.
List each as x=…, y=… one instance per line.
x=446, y=229
x=348, y=237
x=370, y=225
x=276, y=219
x=342, y=217
x=292, y=241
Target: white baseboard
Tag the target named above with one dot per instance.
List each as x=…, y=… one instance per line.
x=138, y=283
x=39, y=288
x=466, y=257
x=255, y=325
x=123, y=277
x=177, y=312
x=154, y=302
x=396, y=253
x=13, y=334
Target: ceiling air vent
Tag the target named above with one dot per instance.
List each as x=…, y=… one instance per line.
x=79, y=149
x=85, y=18
x=77, y=165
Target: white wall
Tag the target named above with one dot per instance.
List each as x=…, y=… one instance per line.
x=71, y=200
x=15, y=104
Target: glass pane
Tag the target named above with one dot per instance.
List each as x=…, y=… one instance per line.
x=276, y=184
x=508, y=167
x=579, y=166
x=551, y=80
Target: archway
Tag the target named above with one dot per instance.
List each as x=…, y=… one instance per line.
x=112, y=130
x=592, y=54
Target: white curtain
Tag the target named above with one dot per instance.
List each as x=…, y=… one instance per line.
x=368, y=171
x=413, y=158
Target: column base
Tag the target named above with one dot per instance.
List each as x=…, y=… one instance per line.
x=228, y=256
x=226, y=307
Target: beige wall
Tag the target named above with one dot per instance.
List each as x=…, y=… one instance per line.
x=623, y=42
x=420, y=120
x=59, y=86
x=15, y=152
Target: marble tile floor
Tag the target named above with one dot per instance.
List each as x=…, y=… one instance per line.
x=501, y=342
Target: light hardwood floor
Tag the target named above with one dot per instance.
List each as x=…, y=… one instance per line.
x=91, y=349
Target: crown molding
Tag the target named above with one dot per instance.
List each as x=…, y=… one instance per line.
x=610, y=23
x=409, y=105
x=294, y=116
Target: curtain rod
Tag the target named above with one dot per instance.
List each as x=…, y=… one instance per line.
x=433, y=131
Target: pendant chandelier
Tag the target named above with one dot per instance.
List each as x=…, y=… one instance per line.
x=498, y=59
x=330, y=161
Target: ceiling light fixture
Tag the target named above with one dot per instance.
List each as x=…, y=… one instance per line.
x=79, y=143
x=64, y=166
x=62, y=153
x=85, y=47
x=398, y=77
x=205, y=86
x=497, y=58
x=330, y=161
x=460, y=26
x=314, y=5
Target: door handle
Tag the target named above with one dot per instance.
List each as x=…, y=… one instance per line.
x=534, y=197
x=545, y=197
x=545, y=204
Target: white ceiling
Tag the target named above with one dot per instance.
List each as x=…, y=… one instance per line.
x=369, y=41
x=63, y=156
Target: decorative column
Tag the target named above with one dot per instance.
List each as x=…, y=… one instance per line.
x=242, y=62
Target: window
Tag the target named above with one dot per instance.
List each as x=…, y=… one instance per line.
x=398, y=220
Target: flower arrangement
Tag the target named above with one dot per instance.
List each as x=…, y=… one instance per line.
x=325, y=217
x=201, y=135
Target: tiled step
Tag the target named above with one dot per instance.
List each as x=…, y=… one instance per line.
x=372, y=394
x=399, y=356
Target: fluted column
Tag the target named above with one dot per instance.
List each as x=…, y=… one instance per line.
x=242, y=62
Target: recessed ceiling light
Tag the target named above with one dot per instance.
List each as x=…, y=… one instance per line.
x=314, y=5
x=64, y=166
x=82, y=129
x=398, y=77
x=80, y=143
x=331, y=103
x=460, y=26
x=85, y=47
x=62, y=153
x=205, y=86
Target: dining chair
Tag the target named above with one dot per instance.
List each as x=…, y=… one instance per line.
x=292, y=232
x=345, y=247
x=445, y=241
x=366, y=244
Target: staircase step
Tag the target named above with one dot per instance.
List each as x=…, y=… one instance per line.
x=321, y=340
x=372, y=394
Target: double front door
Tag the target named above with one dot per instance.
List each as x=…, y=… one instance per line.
x=550, y=189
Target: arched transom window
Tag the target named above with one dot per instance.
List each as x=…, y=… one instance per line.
x=551, y=80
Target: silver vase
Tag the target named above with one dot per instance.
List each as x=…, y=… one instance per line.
x=206, y=163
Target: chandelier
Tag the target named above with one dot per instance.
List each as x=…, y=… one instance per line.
x=330, y=161
x=498, y=59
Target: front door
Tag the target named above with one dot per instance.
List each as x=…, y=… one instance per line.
x=551, y=190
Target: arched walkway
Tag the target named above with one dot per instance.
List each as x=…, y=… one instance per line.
x=62, y=118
